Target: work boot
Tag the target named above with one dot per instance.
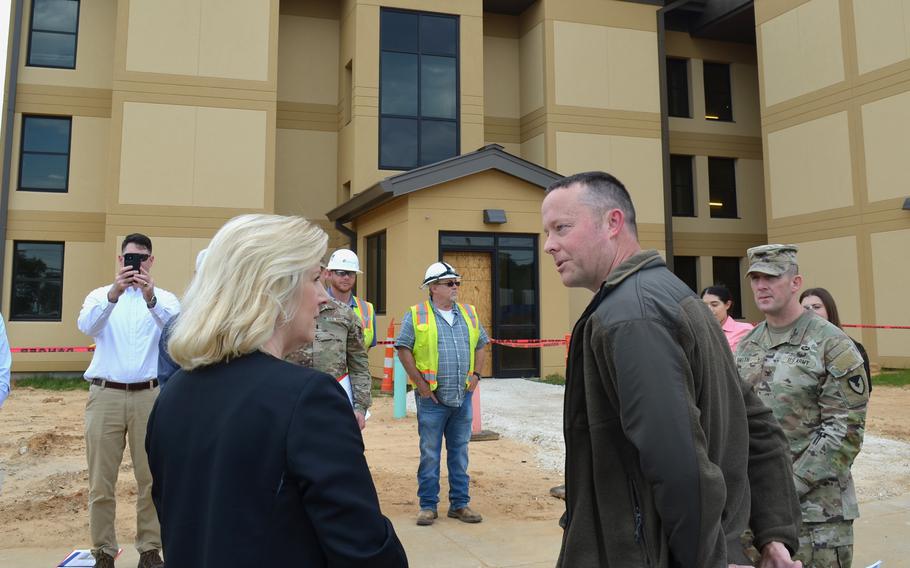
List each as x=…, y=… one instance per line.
x=150, y=559
x=559, y=492
x=465, y=515
x=426, y=517
x=102, y=559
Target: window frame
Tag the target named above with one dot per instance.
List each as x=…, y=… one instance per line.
x=735, y=287
x=677, y=262
x=418, y=117
x=31, y=30
x=719, y=117
x=14, y=273
x=692, y=200
x=688, y=89
x=23, y=152
x=377, y=278
x=735, y=192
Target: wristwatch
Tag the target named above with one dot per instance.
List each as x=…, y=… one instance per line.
x=152, y=303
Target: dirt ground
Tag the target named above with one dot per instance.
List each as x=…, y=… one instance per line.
x=44, y=480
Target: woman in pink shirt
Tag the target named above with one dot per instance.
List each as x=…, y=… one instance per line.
x=719, y=300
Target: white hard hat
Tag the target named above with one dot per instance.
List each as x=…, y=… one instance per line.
x=344, y=259
x=438, y=271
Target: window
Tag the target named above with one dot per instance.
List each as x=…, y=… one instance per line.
x=681, y=190
x=44, y=161
x=52, y=38
x=722, y=182
x=726, y=273
x=718, y=96
x=678, y=87
x=685, y=268
x=376, y=275
x=418, y=89
x=37, y=290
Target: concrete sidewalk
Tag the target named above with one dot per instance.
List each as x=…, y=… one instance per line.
x=495, y=543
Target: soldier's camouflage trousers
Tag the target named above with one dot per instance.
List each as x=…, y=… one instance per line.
x=826, y=545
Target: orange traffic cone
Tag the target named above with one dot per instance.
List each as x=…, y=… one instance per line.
x=388, y=366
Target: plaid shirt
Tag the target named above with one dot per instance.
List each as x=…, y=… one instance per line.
x=454, y=353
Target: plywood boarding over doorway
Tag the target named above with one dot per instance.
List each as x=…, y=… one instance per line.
x=476, y=271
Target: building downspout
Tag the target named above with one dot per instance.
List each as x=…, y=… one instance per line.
x=349, y=233
x=665, y=127
x=12, y=80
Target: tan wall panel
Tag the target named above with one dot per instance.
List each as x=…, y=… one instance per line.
x=802, y=48
x=150, y=50
x=157, y=154
x=635, y=161
x=618, y=13
x=308, y=60
x=535, y=150
x=501, y=77
x=94, y=52
x=234, y=39
x=230, y=158
x=88, y=166
x=628, y=80
x=890, y=277
x=882, y=32
x=85, y=268
x=886, y=137
x=306, y=180
x=841, y=278
x=531, y=53
x=810, y=167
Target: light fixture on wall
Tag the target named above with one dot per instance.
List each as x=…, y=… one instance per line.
x=906, y=206
x=494, y=216
x=716, y=203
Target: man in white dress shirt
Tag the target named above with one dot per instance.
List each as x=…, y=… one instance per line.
x=125, y=319
x=6, y=362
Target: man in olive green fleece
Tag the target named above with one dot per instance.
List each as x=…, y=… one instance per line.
x=670, y=457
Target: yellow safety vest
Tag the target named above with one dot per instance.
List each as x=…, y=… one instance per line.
x=364, y=311
x=426, y=339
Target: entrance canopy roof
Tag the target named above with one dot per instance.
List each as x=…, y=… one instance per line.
x=490, y=157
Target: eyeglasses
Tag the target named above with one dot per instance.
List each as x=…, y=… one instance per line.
x=452, y=283
x=343, y=273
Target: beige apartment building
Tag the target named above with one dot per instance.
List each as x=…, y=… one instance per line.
x=417, y=130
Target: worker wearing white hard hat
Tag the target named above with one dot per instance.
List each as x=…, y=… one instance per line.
x=340, y=277
x=441, y=349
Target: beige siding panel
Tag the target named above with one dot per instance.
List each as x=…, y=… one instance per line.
x=810, y=167
x=151, y=50
x=891, y=277
x=635, y=161
x=886, y=137
x=230, y=158
x=535, y=150
x=94, y=52
x=531, y=53
x=157, y=154
x=841, y=278
x=306, y=173
x=501, y=77
x=627, y=81
x=88, y=166
x=882, y=32
x=801, y=51
x=308, y=60
x=234, y=39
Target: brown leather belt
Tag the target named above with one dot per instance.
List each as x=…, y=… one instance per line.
x=144, y=385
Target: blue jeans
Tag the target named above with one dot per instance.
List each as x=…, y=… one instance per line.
x=433, y=422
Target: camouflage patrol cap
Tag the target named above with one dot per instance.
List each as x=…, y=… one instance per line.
x=771, y=259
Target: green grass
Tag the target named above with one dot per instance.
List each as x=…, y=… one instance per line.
x=892, y=378
x=553, y=379
x=50, y=382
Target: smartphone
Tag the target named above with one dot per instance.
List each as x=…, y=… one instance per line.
x=133, y=260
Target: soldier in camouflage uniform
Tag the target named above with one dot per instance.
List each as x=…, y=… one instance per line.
x=811, y=375
x=338, y=350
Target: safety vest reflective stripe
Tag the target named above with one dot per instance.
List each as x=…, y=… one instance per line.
x=364, y=311
x=426, y=340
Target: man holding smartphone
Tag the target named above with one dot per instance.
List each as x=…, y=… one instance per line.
x=125, y=320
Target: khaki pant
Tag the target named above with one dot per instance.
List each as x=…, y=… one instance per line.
x=111, y=418
x=826, y=545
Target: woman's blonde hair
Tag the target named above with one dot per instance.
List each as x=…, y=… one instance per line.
x=245, y=288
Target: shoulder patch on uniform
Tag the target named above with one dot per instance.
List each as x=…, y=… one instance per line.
x=857, y=384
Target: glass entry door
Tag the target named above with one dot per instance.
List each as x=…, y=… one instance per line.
x=509, y=294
